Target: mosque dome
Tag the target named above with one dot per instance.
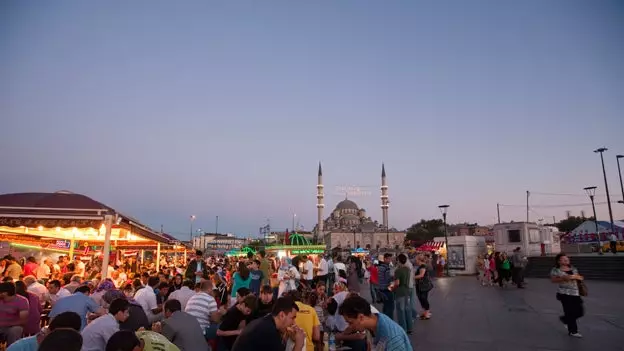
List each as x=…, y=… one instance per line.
x=347, y=205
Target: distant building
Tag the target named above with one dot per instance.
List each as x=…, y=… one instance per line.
x=218, y=242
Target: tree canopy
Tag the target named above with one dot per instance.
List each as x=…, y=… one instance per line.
x=425, y=230
x=570, y=223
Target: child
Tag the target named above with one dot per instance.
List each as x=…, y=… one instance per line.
x=256, y=277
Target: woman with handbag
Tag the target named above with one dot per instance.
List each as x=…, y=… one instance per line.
x=423, y=286
x=571, y=288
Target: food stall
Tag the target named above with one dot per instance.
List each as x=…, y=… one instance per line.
x=73, y=225
x=299, y=245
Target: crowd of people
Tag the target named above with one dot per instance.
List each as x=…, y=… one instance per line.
x=213, y=303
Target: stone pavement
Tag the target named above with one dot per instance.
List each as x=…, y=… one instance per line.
x=467, y=316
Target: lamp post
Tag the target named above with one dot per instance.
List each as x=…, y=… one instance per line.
x=591, y=192
x=618, y=157
x=192, y=219
x=444, y=209
x=604, y=173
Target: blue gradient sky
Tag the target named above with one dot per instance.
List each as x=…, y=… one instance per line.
x=163, y=110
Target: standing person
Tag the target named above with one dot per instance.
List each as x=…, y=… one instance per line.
x=504, y=271
x=241, y=279
x=257, y=277
x=323, y=270
x=373, y=281
x=388, y=335
x=31, y=266
x=412, y=289
x=568, y=278
x=386, y=278
x=613, y=243
x=13, y=313
x=97, y=333
x=423, y=284
x=197, y=268
x=402, y=293
x=354, y=274
x=184, y=293
x=308, y=272
x=286, y=275
x=339, y=266
x=518, y=262
x=13, y=269
x=265, y=267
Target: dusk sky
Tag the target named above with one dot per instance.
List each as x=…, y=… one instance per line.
x=165, y=109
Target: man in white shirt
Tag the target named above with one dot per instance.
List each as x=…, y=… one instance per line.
x=323, y=269
x=412, y=290
x=613, y=243
x=308, y=269
x=33, y=286
x=339, y=266
x=96, y=334
x=44, y=271
x=184, y=293
x=79, y=268
x=146, y=297
x=202, y=304
x=56, y=292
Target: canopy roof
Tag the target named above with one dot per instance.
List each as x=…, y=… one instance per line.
x=64, y=209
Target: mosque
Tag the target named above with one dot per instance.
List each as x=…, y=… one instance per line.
x=348, y=226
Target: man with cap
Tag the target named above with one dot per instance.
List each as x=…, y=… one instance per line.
x=197, y=268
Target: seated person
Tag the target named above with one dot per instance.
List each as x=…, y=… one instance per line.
x=233, y=322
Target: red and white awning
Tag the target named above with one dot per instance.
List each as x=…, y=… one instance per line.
x=431, y=246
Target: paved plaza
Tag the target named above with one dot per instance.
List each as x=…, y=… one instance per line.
x=467, y=316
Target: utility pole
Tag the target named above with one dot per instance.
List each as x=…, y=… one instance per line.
x=527, y=208
x=217, y=226
x=498, y=212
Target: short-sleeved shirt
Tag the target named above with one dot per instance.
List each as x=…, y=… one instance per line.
x=569, y=287
x=309, y=267
x=78, y=303
x=256, y=280
x=402, y=275
x=261, y=334
x=14, y=270
x=146, y=297
x=10, y=310
x=155, y=342
x=307, y=319
x=25, y=344
x=96, y=334
x=200, y=306
x=384, y=274
x=230, y=321
x=390, y=336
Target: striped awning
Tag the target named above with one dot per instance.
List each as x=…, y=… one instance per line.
x=431, y=246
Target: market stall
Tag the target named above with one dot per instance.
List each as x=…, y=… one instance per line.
x=72, y=224
x=299, y=245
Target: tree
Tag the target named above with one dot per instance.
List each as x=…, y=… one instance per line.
x=425, y=230
x=569, y=224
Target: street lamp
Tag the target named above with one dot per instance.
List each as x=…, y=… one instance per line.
x=604, y=173
x=444, y=209
x=192, y=219
x=591, y=192
x=618, y=157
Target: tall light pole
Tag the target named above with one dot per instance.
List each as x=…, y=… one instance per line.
x=591, y=192
x=444, y=209
x=192, y=219
x=604, y=173
x=618, y=157
x=217, y=226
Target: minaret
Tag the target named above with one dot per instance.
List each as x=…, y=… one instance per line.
x=319, y=202
x=384, y=197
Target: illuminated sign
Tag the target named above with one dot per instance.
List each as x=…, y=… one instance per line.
x=61, y=244
x=298, y=252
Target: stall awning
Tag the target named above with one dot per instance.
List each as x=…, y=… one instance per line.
x=431, y=246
